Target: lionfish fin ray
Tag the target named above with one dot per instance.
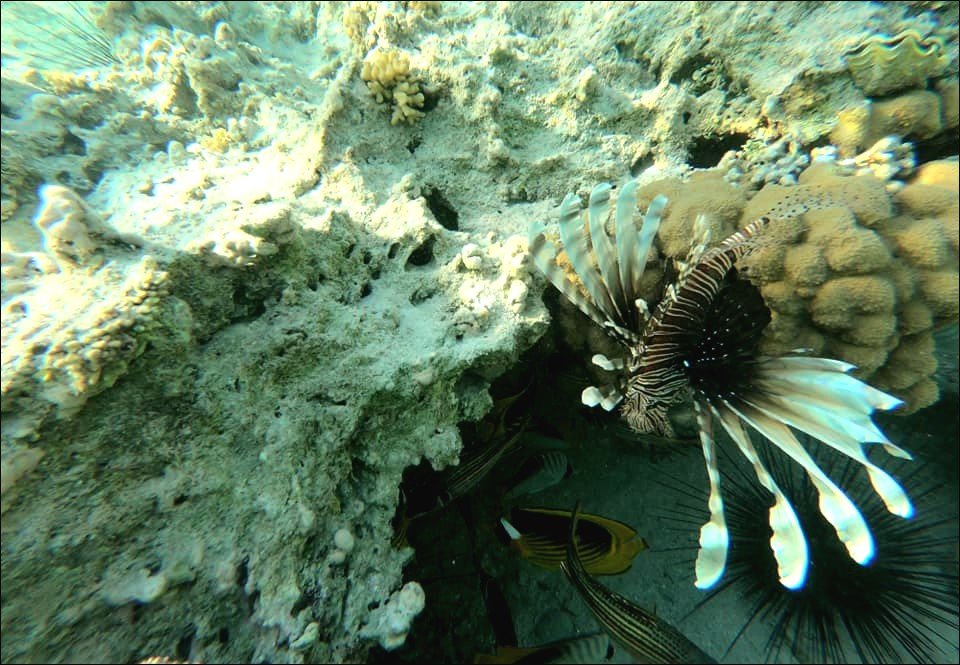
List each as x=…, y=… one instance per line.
x=603, y=249
x=836, y=433
x=545, y=256
x=714, y=537
x=787, y=542
x=834, y=505
x=576, y=243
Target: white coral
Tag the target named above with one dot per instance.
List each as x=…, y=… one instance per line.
x=390, y=623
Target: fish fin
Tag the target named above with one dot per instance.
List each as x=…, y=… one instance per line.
x=544, y=255
x=576, y=243
x=714, y=537
x=842, y=434
x=603, y=249
x=787, y=540
x=834, y=505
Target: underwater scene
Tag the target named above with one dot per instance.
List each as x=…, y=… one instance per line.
x=480, y=332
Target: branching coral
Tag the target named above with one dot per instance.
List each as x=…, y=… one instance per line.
x=386, y=72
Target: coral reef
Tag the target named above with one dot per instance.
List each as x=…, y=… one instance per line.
x=917, y=114
x=391, y=623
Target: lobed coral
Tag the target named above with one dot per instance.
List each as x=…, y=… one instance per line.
x=915, y=114
x=386, y=72
x=864, y=276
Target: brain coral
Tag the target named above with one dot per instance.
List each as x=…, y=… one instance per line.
x=849, y=270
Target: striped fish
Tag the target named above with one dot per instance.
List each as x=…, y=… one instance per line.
x=647, y=637
x=700, y=345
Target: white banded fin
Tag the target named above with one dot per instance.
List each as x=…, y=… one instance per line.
x=787, y=542
x=510, y=529
x=608, y=364
x=714, y=537
x=608, y=398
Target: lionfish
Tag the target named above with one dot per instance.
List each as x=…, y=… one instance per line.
x=701, y=343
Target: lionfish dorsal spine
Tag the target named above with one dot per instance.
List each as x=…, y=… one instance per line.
x=597, y=213
x=576, y=243
x=544, y=254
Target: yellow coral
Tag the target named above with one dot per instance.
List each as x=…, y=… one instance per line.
x=950, y=102
x=705, y=193
x=856, y=251
x=941, y=291
x=915, y=317
x=923, y=393
x=843, y=296
x=805, y=265
x=916, y=113
x=940, y=173
x=913, y=114
x=386, y=71
x=875, y=330
x=920, y=241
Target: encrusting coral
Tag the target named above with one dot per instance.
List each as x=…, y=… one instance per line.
x=72, y=322
x=920, y=114
x=386, y=71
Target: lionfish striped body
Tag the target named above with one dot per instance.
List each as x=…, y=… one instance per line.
x=700, y=344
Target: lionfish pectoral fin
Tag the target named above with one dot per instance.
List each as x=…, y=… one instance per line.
x=608, y=398
x=838, y=414
x=834, y=505
x=609, y=364
x=787, y=542
x=714, y=537
x=843, y=435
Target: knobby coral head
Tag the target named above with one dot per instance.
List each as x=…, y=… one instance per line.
x=700, y=344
